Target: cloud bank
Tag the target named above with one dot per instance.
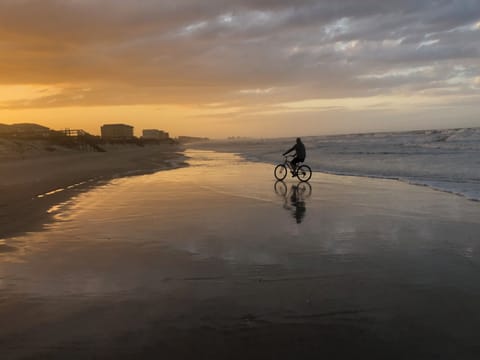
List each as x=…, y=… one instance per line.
x=250, y=54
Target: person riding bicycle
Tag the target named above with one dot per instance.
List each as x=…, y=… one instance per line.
x=300, y=154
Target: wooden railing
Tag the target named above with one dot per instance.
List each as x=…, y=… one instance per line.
x=83, y=139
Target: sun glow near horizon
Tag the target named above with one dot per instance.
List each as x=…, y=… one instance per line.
x=241, y=69
x=219, y=121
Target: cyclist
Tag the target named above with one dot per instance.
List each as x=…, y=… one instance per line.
x=300, y=155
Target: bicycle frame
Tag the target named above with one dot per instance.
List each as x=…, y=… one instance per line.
x=287, y=162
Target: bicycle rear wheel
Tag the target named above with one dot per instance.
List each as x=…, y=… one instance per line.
x=304, y=173
x=280, y=172
x=280, y=188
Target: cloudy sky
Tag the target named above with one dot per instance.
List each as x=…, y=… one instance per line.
x=241, y=67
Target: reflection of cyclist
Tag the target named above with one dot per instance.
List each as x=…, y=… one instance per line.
x=300, y=153
x=297, y=202
x=294, y=198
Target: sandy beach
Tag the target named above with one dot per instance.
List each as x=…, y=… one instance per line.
x=239, y=180
x=217, y=260
x=33, y=179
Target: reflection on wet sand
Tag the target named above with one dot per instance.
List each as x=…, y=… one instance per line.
x=295, y=196
x=200, y=262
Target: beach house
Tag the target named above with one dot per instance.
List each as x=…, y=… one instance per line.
x=25, y=130
x=154, y=134
x=117, y=132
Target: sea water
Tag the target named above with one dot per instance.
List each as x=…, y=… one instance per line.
x=446, y=160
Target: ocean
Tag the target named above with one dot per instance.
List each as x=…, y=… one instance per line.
x=446, y=160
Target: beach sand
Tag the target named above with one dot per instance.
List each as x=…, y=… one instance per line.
x=216, y=260
x=33, y=179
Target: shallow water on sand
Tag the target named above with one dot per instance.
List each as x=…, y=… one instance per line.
x=202, y=260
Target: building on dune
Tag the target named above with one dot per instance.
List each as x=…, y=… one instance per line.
x=117, y=132
x=25, y=130
x=154, y=134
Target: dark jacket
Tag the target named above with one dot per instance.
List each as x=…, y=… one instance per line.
x=299, y=150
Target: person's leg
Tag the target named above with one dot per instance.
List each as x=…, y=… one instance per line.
x=295, y=161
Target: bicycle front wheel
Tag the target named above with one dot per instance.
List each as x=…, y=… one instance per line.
x=304, y=173
x=280, y=172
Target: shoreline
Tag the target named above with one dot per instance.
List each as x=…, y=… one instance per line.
x=259, y=152
x=31, y=186
x=190, y=259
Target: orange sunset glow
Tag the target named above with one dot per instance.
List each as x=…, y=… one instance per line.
x=255, y=68
x=239, y=179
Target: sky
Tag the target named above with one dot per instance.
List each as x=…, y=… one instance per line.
x=260, y=68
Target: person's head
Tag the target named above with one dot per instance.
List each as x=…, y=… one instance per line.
x=299, y=140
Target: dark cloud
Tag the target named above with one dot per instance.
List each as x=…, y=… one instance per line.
x=181, y=51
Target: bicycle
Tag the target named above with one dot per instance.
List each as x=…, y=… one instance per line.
x=302, y=172
x=303, y=189
x=294, y=199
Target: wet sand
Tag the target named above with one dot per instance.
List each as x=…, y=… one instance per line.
x=29, y=186
x=216, y=260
